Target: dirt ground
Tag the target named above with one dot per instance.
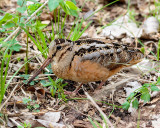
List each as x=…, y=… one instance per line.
x=54, y=112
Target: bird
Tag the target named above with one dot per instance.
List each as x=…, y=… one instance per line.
x=88, y=60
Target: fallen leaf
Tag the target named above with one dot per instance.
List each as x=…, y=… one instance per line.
x=123, y=25
x=151, y=25
x=51, y=116
x=50, y=124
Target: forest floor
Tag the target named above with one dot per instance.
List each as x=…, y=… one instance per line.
x=34, y=106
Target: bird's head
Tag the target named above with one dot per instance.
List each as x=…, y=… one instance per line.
x=58, y=50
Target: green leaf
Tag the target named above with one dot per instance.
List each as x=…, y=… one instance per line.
x=9, y=25
x=2, y=30
x=36, y=106
x=73, y=13
x=135, y=103
x=8, y=31
x=145, y=97
x=158, y=81
x=43, y=82
x=144, y=89
x=47, y=84
x=40, y=26
x=21, y=9
x=26, y=100
x=62, y=4
x=25, y=76
x=33, y=7
x=142, y=50
x=33, y=1
x=53, y=4
x=126, y=105
x=15, y=20
x=74, y=2
x=20, y=2
x=59, y=80
x=146, y=85
x=72, y=6
x=16, y=47
x=5, y=18
x=64, y=84
x=130, y=96
x=21, y=24
x=154, y=88
x=31, y=83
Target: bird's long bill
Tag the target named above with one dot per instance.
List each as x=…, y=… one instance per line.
x=45, y=64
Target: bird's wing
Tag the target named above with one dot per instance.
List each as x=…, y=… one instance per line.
x=110, y=55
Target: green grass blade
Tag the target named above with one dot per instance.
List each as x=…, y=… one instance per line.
x=38, y=44
x=158, y=50
x=52, y=37
x=73, y=37
x=3, y=89
x=94, y=125
x=62, y=26
x=72, y=29
x=104, y=120
x=3, y=77
x=147, y=49
x=40, y=33
x=58, y=20
x=84, y=30
x=100, y=126
x=55, y=21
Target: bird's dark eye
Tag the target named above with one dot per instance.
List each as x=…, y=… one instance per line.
x=59, y=47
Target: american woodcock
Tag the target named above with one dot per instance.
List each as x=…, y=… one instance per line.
x=88, y=60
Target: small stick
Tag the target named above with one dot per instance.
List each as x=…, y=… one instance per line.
x=13, y=33
x=8, y=97
x=98, y=108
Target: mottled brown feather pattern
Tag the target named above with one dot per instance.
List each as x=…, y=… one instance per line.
x=90, y=59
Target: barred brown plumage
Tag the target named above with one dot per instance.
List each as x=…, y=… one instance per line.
x=89, y=60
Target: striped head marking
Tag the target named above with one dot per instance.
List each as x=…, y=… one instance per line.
x=58, y=49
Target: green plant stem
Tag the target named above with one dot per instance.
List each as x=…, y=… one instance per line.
x=17, y=30
x=58, y=19
x=138, y=120
x=26, y=59
x=55, y=20
x=147, y=49
x=52, y=37
x=4, y=75
x=158, y=50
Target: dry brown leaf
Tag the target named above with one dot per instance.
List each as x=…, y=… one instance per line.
x=82, y=124
x=50, y=124
x=51, y=116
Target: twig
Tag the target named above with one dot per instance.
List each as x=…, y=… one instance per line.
x=40, y=75
x=15, y=122
x=109, y=88
x=98, y=108
x=13, y=33
x=135, y=77
x=8, y=97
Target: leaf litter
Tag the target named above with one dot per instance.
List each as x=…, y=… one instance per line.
x=55, y=113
